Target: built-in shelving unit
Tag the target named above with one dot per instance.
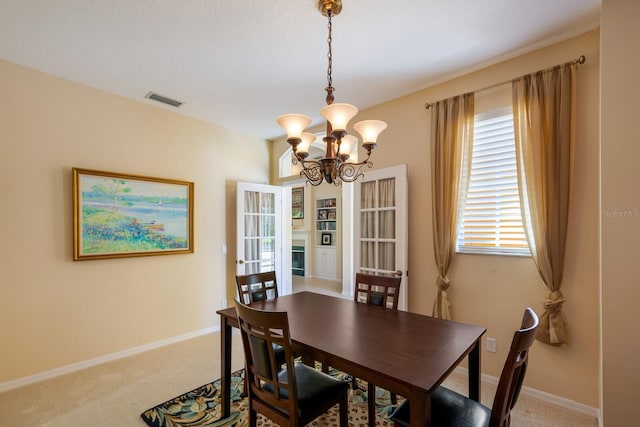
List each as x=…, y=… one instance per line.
x=325, y=254
x=326, y=221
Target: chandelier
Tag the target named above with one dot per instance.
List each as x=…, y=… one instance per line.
x=335, y=166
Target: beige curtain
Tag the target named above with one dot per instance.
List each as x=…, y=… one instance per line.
x=451, y=146
x=543, y=110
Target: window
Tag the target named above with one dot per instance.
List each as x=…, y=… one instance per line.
x=491, y=222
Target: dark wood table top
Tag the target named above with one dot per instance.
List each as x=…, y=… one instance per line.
x=400, y=350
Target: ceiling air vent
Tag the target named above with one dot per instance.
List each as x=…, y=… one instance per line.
x=163, y=99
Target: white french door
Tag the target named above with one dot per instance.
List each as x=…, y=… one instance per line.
x=380, y=225
x=260, y=240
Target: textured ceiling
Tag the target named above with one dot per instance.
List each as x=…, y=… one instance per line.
x=242, y=63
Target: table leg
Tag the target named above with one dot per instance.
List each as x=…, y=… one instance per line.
x=225, y=367
x=474, y=372
x=371, y=404
x=420, y=409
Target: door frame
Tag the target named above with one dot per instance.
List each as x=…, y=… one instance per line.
x=347, y=228
x=348, y=239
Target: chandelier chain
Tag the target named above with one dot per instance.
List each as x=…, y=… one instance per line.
x=329, y=53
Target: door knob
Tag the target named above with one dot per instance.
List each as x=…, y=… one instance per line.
x=240, y=261
x=398, y=273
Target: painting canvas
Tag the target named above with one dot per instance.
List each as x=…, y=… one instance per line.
x=117, y=215
x=297, y=203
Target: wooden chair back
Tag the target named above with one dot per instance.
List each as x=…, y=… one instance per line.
x=257, y=287
x=377, y=290
x=514, y=371
x=267, y=394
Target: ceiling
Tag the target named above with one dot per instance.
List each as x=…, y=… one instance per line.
x=242, y=63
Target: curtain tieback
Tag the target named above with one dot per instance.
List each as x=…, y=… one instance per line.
x=553, y=303
x=443, y=283
x=552, y=321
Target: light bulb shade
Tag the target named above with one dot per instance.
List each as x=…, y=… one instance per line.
x=347, y=144
x=307, y=140
x=339, y=115
x=294, y=124
x=370, y=129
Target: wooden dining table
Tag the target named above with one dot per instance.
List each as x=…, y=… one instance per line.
x=406, y=353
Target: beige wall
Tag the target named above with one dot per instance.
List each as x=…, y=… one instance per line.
x=620, y=221
x=55, y=312
x=493, y=291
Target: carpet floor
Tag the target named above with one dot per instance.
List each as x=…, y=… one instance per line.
x=201, y=407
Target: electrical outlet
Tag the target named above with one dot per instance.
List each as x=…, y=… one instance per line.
x=224, y=303
x=491, y=345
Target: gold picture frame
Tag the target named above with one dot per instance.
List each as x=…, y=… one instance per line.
x=118, y=215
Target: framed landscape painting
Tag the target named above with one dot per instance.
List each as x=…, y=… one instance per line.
x=117, y=215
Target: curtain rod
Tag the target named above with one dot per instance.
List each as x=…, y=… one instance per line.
x=581, y=60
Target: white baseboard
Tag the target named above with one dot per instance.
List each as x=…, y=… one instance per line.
x=544, y=396
x=20, y=382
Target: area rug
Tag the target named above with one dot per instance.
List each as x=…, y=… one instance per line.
x=201, y=407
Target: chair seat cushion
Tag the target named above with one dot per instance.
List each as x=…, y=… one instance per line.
x=448, y=409
x=313, y=387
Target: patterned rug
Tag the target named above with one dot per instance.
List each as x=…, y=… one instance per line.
x=201, y=407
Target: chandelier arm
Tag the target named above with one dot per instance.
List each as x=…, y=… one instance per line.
x=312, y=170
x=363, y=162
x=350, y=172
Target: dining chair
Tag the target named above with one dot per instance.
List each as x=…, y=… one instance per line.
x=377, y=290
x=293, y=396
x=451, y=409
x=257, y=286
x=383, y=291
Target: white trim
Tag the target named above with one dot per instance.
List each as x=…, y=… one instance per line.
x=572, y=405
x=21, y=382
x=347, y=239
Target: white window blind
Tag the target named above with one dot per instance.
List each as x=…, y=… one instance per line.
x=491, y=222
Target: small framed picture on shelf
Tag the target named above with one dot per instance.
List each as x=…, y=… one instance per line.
x=331, y=203
x=322, y=214
x=326, y=239
x=332, y=215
